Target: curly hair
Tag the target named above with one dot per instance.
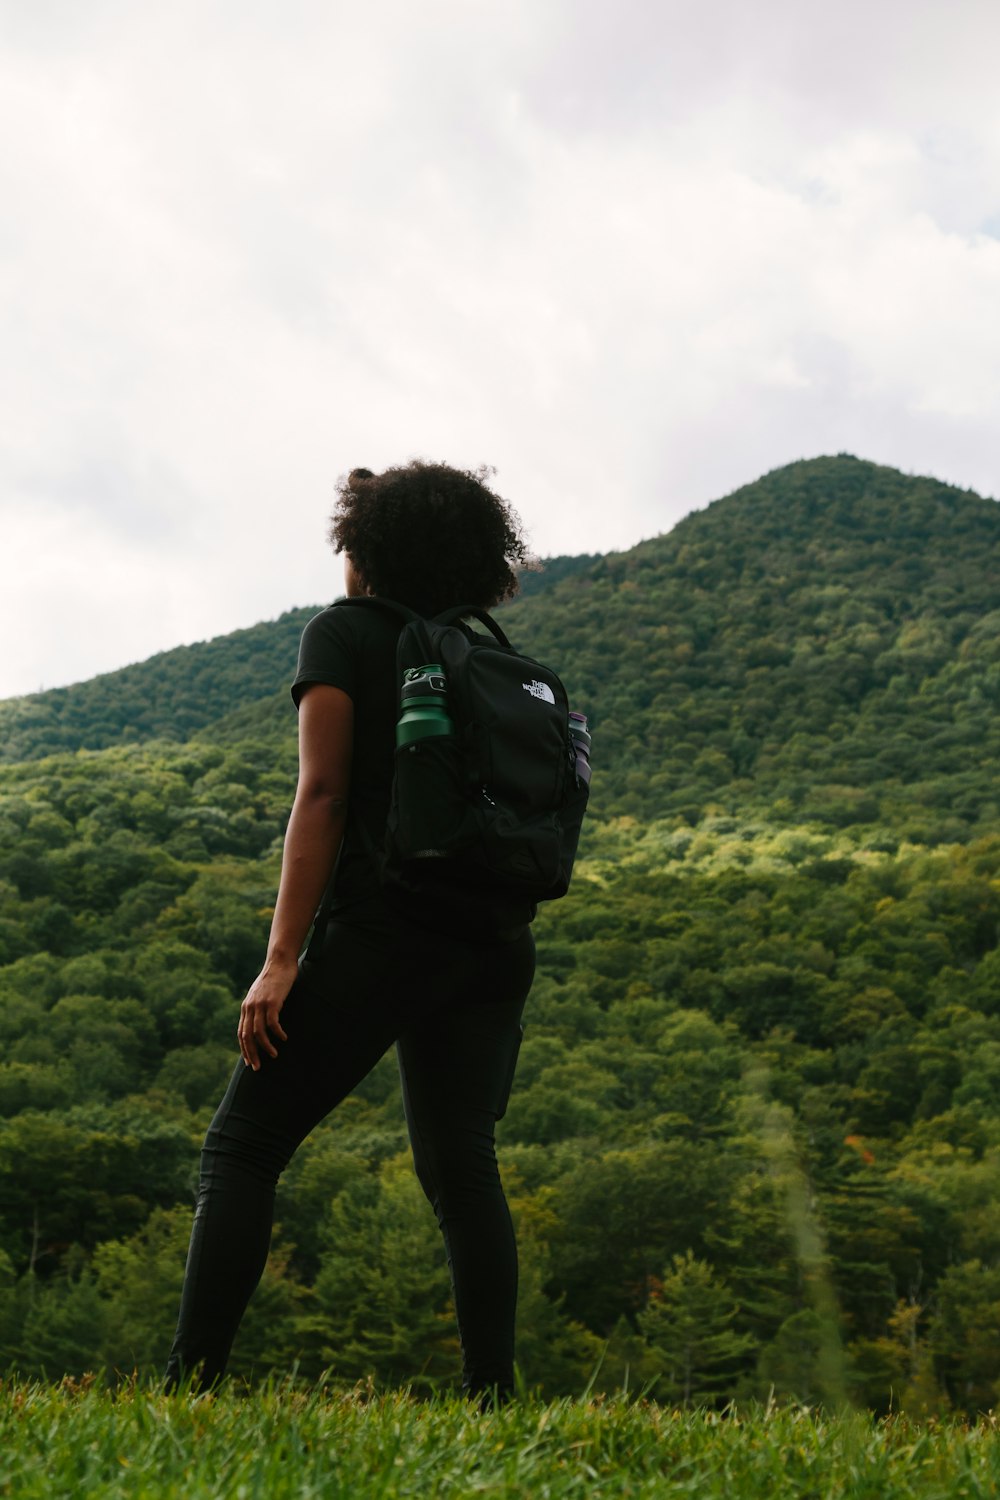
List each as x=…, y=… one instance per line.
x=429, y=536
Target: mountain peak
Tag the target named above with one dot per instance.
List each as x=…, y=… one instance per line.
x=764, y=562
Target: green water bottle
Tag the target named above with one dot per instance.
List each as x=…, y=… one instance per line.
x=424, y=701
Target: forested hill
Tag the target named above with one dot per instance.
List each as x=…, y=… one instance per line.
x=754, y=1144
x=827, y=638
x=177, y=693
x=168, y=697
x=828, y=634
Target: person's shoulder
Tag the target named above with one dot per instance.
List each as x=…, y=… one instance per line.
x=332, y=650
x=352, y=625
x=337, y=621
x=334, y=630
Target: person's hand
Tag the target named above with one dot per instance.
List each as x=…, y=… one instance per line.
x=259, y=1024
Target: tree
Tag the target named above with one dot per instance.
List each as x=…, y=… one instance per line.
x=63, y=1328
x=896, y=1370
x=139, y=1280
x=798, y=1360
x=381, y=1300
x=688, y=1325
x=965, y=1335
x=554, y=1353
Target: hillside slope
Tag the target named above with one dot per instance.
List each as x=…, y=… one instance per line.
x=168, y=697
x=760, y=1075
x=828, y=637
x=178, y=693
x=825, y=641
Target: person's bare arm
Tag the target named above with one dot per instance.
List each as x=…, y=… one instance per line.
x=312, y=839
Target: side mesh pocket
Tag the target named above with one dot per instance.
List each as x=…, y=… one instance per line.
x=430, y=813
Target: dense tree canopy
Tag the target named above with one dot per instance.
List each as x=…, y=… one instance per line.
x=755, y=1137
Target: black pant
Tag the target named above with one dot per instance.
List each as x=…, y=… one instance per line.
x=454, y=1011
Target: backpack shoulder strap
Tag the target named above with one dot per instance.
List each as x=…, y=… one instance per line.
x=446, y=617
x=462, y=611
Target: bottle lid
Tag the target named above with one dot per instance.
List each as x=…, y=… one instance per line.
x=417, y=687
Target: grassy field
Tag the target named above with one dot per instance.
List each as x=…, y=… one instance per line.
x=71, y=1441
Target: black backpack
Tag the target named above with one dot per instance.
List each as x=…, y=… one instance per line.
x=496, y=807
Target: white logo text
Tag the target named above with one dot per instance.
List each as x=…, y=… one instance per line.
x=540, y=690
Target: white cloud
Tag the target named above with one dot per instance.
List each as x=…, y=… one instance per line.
x=633, y=256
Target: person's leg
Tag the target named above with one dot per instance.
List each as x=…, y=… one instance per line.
x=340, y=1018
x=457, y=1065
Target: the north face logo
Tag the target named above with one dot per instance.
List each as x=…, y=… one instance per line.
x=540, y=690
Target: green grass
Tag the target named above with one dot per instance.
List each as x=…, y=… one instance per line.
x=71, y=1440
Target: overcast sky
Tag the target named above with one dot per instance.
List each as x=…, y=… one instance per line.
x=633, y=254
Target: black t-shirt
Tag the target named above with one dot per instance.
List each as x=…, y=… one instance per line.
x=355, y=650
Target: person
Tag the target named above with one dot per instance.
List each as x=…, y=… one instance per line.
x=310, y=1028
